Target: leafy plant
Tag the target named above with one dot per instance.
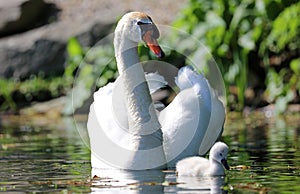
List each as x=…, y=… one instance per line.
x=282, y=87
x=15, y=93
x=283, y=42
x=6, y=90
x=244, y=34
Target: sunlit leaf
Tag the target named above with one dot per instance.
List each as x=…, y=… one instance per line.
x=74, y=48
x=295, y=66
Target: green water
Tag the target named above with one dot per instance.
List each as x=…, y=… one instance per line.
x=52, y=155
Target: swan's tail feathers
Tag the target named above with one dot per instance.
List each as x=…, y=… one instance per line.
x=155, y=82
x=188, y=78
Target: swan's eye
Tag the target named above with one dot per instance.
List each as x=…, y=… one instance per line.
x=141, y=23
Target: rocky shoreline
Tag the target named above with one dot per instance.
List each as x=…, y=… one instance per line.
x=34, y=33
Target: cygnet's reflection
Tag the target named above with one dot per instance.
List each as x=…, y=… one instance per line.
x=201, y=184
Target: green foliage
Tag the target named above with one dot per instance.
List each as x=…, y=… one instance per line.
x=282, y=87
x=285, y=30
x=7, y=87
x=35, y=88
x=76, y=54
x=38, y=87
x=236, y=30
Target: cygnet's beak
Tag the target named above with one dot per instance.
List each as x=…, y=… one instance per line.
x=225, y=164
x=152, y=43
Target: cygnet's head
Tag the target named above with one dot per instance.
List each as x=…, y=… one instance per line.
x=219, y=153
x=139, y=27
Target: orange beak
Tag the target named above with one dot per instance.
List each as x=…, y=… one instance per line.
x=152, y=44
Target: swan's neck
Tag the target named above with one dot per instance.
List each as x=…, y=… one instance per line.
x=142, y=116
x=126, y=53
x=216, y=168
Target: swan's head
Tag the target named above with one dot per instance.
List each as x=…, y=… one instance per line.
x=139, y=27
x=219, y=153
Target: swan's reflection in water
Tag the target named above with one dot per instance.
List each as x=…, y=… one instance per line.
x=153, y=181
x=123, y=181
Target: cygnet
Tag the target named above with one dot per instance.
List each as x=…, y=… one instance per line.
x=198, y=166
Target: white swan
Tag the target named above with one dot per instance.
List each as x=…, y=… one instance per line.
x=198, y=166
x=125, y=130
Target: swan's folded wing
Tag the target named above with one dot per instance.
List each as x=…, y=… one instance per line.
x=182, y=126
x=215, y=126
x=190, y=122
x=189, y=78
x=155, y=82
x=185, y=120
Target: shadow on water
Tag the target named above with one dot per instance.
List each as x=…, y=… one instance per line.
x=53, y=156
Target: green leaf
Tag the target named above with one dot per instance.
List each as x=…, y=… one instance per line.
x=246, y=41
x=285, y=28
x=74, y=48
x=282, y=102
x=295, y=66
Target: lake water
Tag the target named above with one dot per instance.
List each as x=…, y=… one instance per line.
x=39, y=154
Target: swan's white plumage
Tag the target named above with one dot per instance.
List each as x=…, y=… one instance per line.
x=113, y=113
x=190, y=124
x=185, y=120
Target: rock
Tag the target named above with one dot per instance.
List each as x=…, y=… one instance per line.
x=43, y=56
x=36, y=51
x=40, y=47
x=21, y=15
x=43, y=49
x=52, y=107
x=30, y=44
